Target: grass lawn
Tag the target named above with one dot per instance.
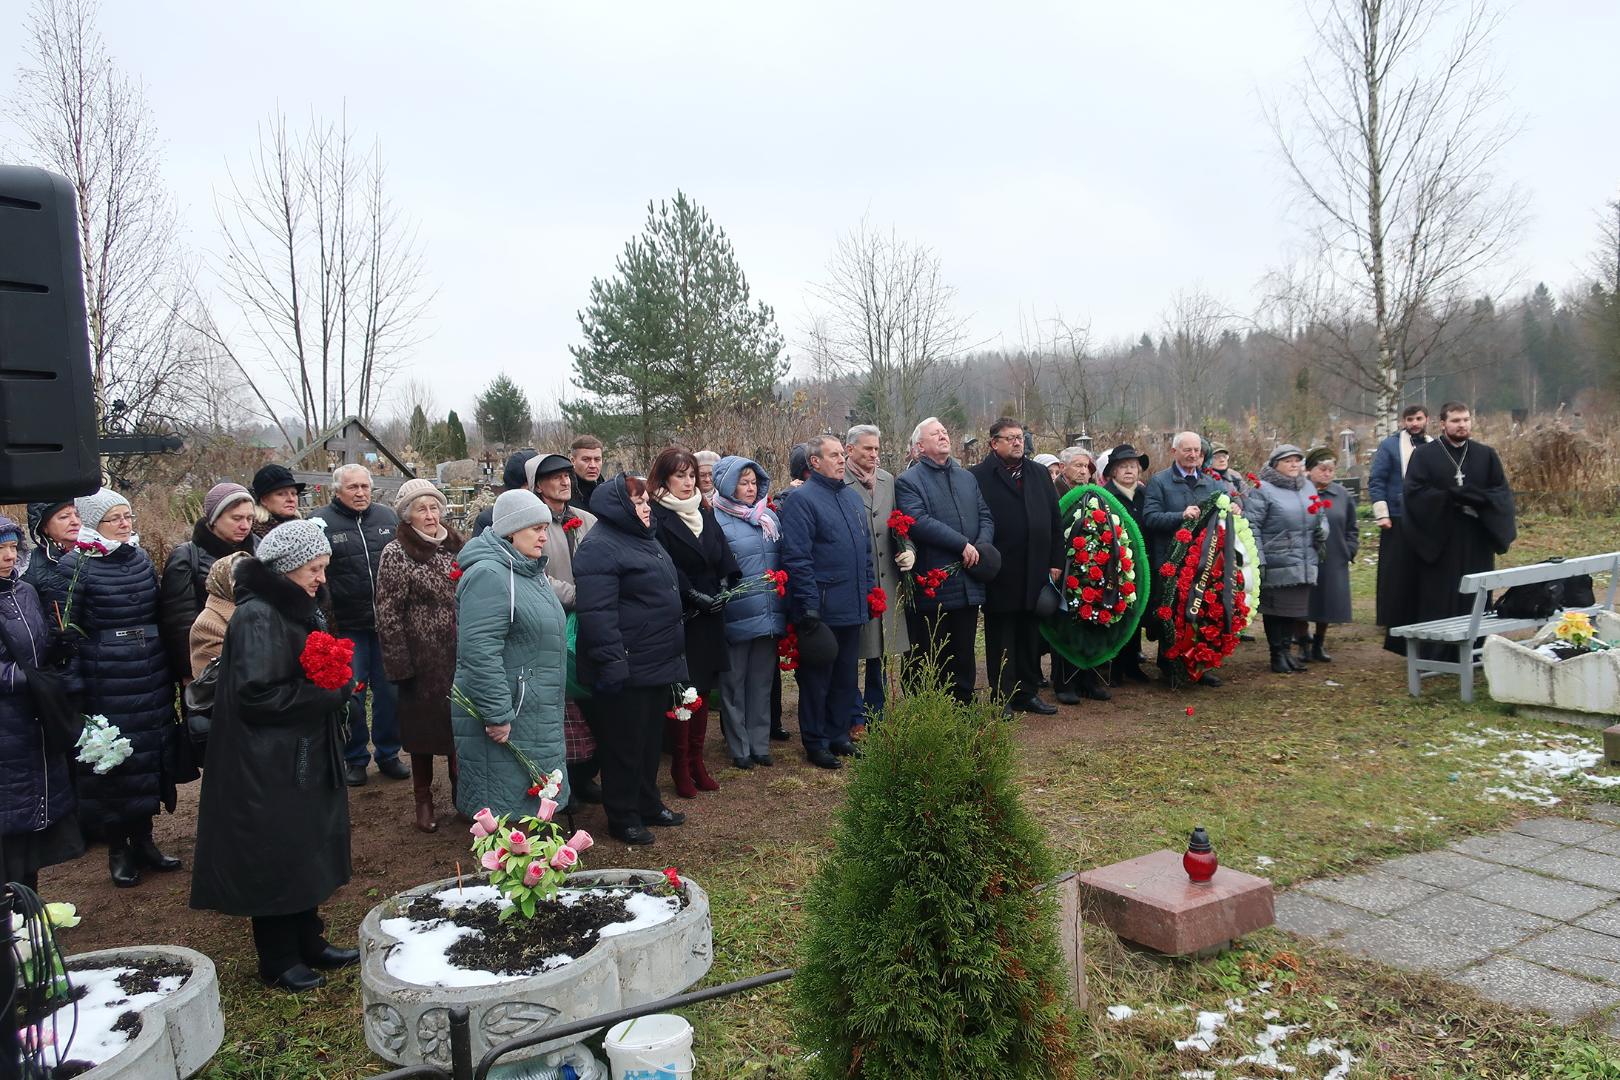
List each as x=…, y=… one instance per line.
x=1294, y=777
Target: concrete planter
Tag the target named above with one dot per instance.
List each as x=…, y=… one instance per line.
x=1583, y=689
x=180, y=1033
x=409, y=1024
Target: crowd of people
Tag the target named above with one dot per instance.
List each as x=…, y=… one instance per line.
x=589, y=625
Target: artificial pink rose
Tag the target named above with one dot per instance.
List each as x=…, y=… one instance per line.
x=517, y=843
x=487, y=820
x=565, y=857
x=532, y=876
x=548, y=807
x=490, y=860
x=478, y=830
x=581, y=841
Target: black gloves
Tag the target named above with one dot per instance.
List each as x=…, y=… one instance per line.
x=703, y=603
x=809, y=624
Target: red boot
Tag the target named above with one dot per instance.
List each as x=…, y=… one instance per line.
x=680, y=769
x=697, y=731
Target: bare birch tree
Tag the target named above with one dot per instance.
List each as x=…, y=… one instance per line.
x=325, y=273
x=886, y=317
x=82, y=117
x=1192, y=359
x=1391, y=139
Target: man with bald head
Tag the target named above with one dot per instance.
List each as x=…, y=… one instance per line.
x=1173, y=499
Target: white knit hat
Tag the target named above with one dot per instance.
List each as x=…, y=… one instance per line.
x=287, y=547
x=411, y=490
x=515, y=510
x=92, y=508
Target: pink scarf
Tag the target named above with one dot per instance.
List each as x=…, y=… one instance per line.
x=759, y=515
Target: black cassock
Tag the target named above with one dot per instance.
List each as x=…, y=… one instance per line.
x=1453, y=526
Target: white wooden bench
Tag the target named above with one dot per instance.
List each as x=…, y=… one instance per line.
x=1464, y=630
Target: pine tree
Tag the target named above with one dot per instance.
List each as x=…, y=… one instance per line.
x=673, y=332
x=456, y=445
x=502, y=412
x=928, y=951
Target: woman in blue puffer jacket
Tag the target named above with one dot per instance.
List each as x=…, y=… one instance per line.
x=37, y=827
x=108, y=594
x=754, y=620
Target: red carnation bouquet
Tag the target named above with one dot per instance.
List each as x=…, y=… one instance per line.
x=930, y=580
x=1203, y=606
x=900, y=524
x=327, y=661
x=877, y=602
x=787, y=650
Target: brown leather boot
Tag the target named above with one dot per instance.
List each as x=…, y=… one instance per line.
x=680, y=768
x=422, y=787
x=697, y=731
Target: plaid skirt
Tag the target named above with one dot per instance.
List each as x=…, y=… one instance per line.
x=580, y=743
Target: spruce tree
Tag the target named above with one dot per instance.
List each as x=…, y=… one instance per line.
x=928, y=951
x=673, y=332
x=502, y=412
x=456, y=444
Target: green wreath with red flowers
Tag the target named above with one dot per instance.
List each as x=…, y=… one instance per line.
x=1104, y=582
x=1203, y=598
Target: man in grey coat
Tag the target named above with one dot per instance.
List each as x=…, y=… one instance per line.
x=1173, y=499
x=885, y=635
x=953, y=523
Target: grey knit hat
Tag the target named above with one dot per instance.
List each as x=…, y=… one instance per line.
x=221, y=497
x=1283, y=451
x=516, y=510
x=287, y=547
x=92, y=508
x=411, y=490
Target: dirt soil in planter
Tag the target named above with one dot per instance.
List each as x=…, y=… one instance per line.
x=519, y=946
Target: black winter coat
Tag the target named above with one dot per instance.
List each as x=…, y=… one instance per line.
x=35, y=788
x=1136, y=505
x=704, y=563
x=627, y=595
x=183, y=589
x=1028, y=533
x=357, y=541
x=126, y=678
x=273, y=820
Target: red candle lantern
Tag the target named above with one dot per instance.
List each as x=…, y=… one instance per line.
x=1200, y=861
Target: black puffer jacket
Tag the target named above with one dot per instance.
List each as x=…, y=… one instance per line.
x=183, y=589
x=628, y=599
x=44, y=556
x=34, y=788
x=273, y=820
x=357, y=542
x=126, y=678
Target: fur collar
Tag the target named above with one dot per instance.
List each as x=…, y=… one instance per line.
x=254, y=579
x=424, y=551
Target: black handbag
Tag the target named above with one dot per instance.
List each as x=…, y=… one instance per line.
x=1541, y=599
x=60, y=719
x=197, y=701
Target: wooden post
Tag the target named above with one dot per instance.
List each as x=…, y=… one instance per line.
x=1070, y=935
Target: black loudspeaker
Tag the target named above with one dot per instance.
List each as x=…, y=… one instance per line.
x=48, y=445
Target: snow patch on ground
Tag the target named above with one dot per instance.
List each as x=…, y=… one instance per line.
x=1267, y=1042
x=1203, y=1036
x=1119, y=1013
x=1530, y=763
x=98, y=1010
x=420, y=955
x=1264, y=861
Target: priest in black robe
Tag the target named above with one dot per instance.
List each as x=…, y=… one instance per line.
x=1459, y=514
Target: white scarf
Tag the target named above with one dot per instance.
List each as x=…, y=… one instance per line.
x=688, y=510
x=87, y=535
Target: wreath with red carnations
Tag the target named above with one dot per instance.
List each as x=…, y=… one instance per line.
x=1104, y=582
x=1203, y=606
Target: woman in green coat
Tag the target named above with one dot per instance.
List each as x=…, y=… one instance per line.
x=511, y=661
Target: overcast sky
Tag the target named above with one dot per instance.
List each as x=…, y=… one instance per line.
x=1070, y=156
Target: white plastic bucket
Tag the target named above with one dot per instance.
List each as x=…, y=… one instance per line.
x=657, y=1047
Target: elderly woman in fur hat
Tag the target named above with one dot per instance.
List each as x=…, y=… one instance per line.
x=416, y=624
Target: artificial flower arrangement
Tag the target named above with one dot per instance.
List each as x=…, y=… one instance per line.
x=528, y=859
x=1577, y=636
x=1104, y=588
x=1203, y=603
x=102, y=746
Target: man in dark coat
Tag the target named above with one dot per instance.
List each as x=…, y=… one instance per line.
x=1397, y=566
x=827, y=553
x=585, y=458
x=273, y=817
x=358, y=530
x=953, y=522
x=1460, y=514
x=1024, y=507
x=514, y=477
x=1173, y=500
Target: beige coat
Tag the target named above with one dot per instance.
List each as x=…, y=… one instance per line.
x=886, y=636
x=560, y=547
x=208, y=631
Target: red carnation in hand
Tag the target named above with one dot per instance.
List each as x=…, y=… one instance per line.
x=327, y=660
x=877, y=602
x=572, y=523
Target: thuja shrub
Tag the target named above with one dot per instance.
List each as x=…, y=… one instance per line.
x=929, y=951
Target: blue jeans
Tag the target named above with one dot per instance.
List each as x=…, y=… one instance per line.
x=869, y=705
x=384, y=732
